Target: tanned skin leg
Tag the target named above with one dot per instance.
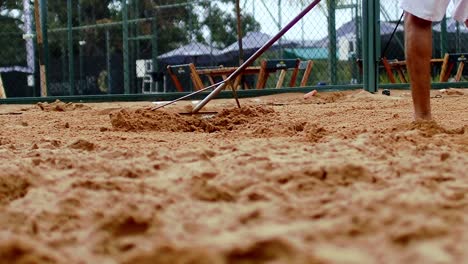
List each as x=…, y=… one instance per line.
x=418, y=42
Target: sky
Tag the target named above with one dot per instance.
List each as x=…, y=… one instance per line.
x=313, y=25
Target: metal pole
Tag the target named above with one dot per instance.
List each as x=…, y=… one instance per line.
x=109, y=68
x=45, y=38
x=332, y=61
x=63, y=67
x=354, y=66
x=71, y=61
x=370, y=44
x=132, y=45
x=82, y=77
x=458, y=44
x=30, y=49
x=302, y=27
x=239, y=32
x=154, y=47
x=80, y=49
x=257, y=54
x=280, y=22
x=103, y=25
x=126, y=58
x=358, y=35
x=239, y=39
x=40, y=47
x=154, y=43
x=137, y=28
x=137, y=45
x=443, y=37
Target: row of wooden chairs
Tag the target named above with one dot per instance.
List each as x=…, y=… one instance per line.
x=266, y=68
x=447, y=65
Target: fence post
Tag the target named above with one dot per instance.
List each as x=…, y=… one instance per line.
x=109, y=66
x=126, y=58
x=332, y=61
x=154, y=47
x=80, y=50
x=443, y=37
x=154, y=42
x=45, y=38
x=280, y=25
x=40, y=47
x=71, y=60
x=371, y=46
x=358, y=35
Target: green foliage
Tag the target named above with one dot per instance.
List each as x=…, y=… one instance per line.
x=223, y=26
x=11, y=39
x=176, y=26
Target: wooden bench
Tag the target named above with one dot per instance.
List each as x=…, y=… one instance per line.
x=271, y=66
x=400, y=68
x=224, y=72
x=448, y=63
x=178, y=72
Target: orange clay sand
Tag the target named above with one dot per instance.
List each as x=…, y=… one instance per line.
x=341, y=177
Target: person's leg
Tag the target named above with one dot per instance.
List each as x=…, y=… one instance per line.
x=418, y=44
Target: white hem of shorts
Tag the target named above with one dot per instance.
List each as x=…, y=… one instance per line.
x=420, y=10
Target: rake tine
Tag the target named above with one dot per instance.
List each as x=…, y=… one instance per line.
x=186, y=96
x=234, y=93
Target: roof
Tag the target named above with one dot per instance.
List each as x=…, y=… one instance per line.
x=254, y=41
x=307, y=53
x=451, y=26
x=191, y=49
x=195, y=52
x=349, y=29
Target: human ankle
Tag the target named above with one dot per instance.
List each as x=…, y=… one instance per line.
x=422, y=117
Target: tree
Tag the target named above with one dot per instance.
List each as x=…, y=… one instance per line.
x=223, y=26
x=13, y=50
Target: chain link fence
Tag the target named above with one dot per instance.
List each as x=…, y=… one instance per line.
x=124, y=47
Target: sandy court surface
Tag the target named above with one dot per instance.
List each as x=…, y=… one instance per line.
x=344, y=177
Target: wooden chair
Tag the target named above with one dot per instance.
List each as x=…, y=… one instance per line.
x=222, y=73
x=399, y=67
x=2, y=89
x=449, y=61
x=306, y=66
x=180, y=72
x=212, y=81
x=270, y=66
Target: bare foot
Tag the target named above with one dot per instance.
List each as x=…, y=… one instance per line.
x=422, y=117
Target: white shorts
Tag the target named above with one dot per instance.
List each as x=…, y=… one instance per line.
x=434, y=10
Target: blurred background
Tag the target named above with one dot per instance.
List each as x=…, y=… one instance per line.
x=89, y=47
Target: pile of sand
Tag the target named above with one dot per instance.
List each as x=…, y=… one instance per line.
x=262, y=121
x=227, y=119
x=60, y=106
